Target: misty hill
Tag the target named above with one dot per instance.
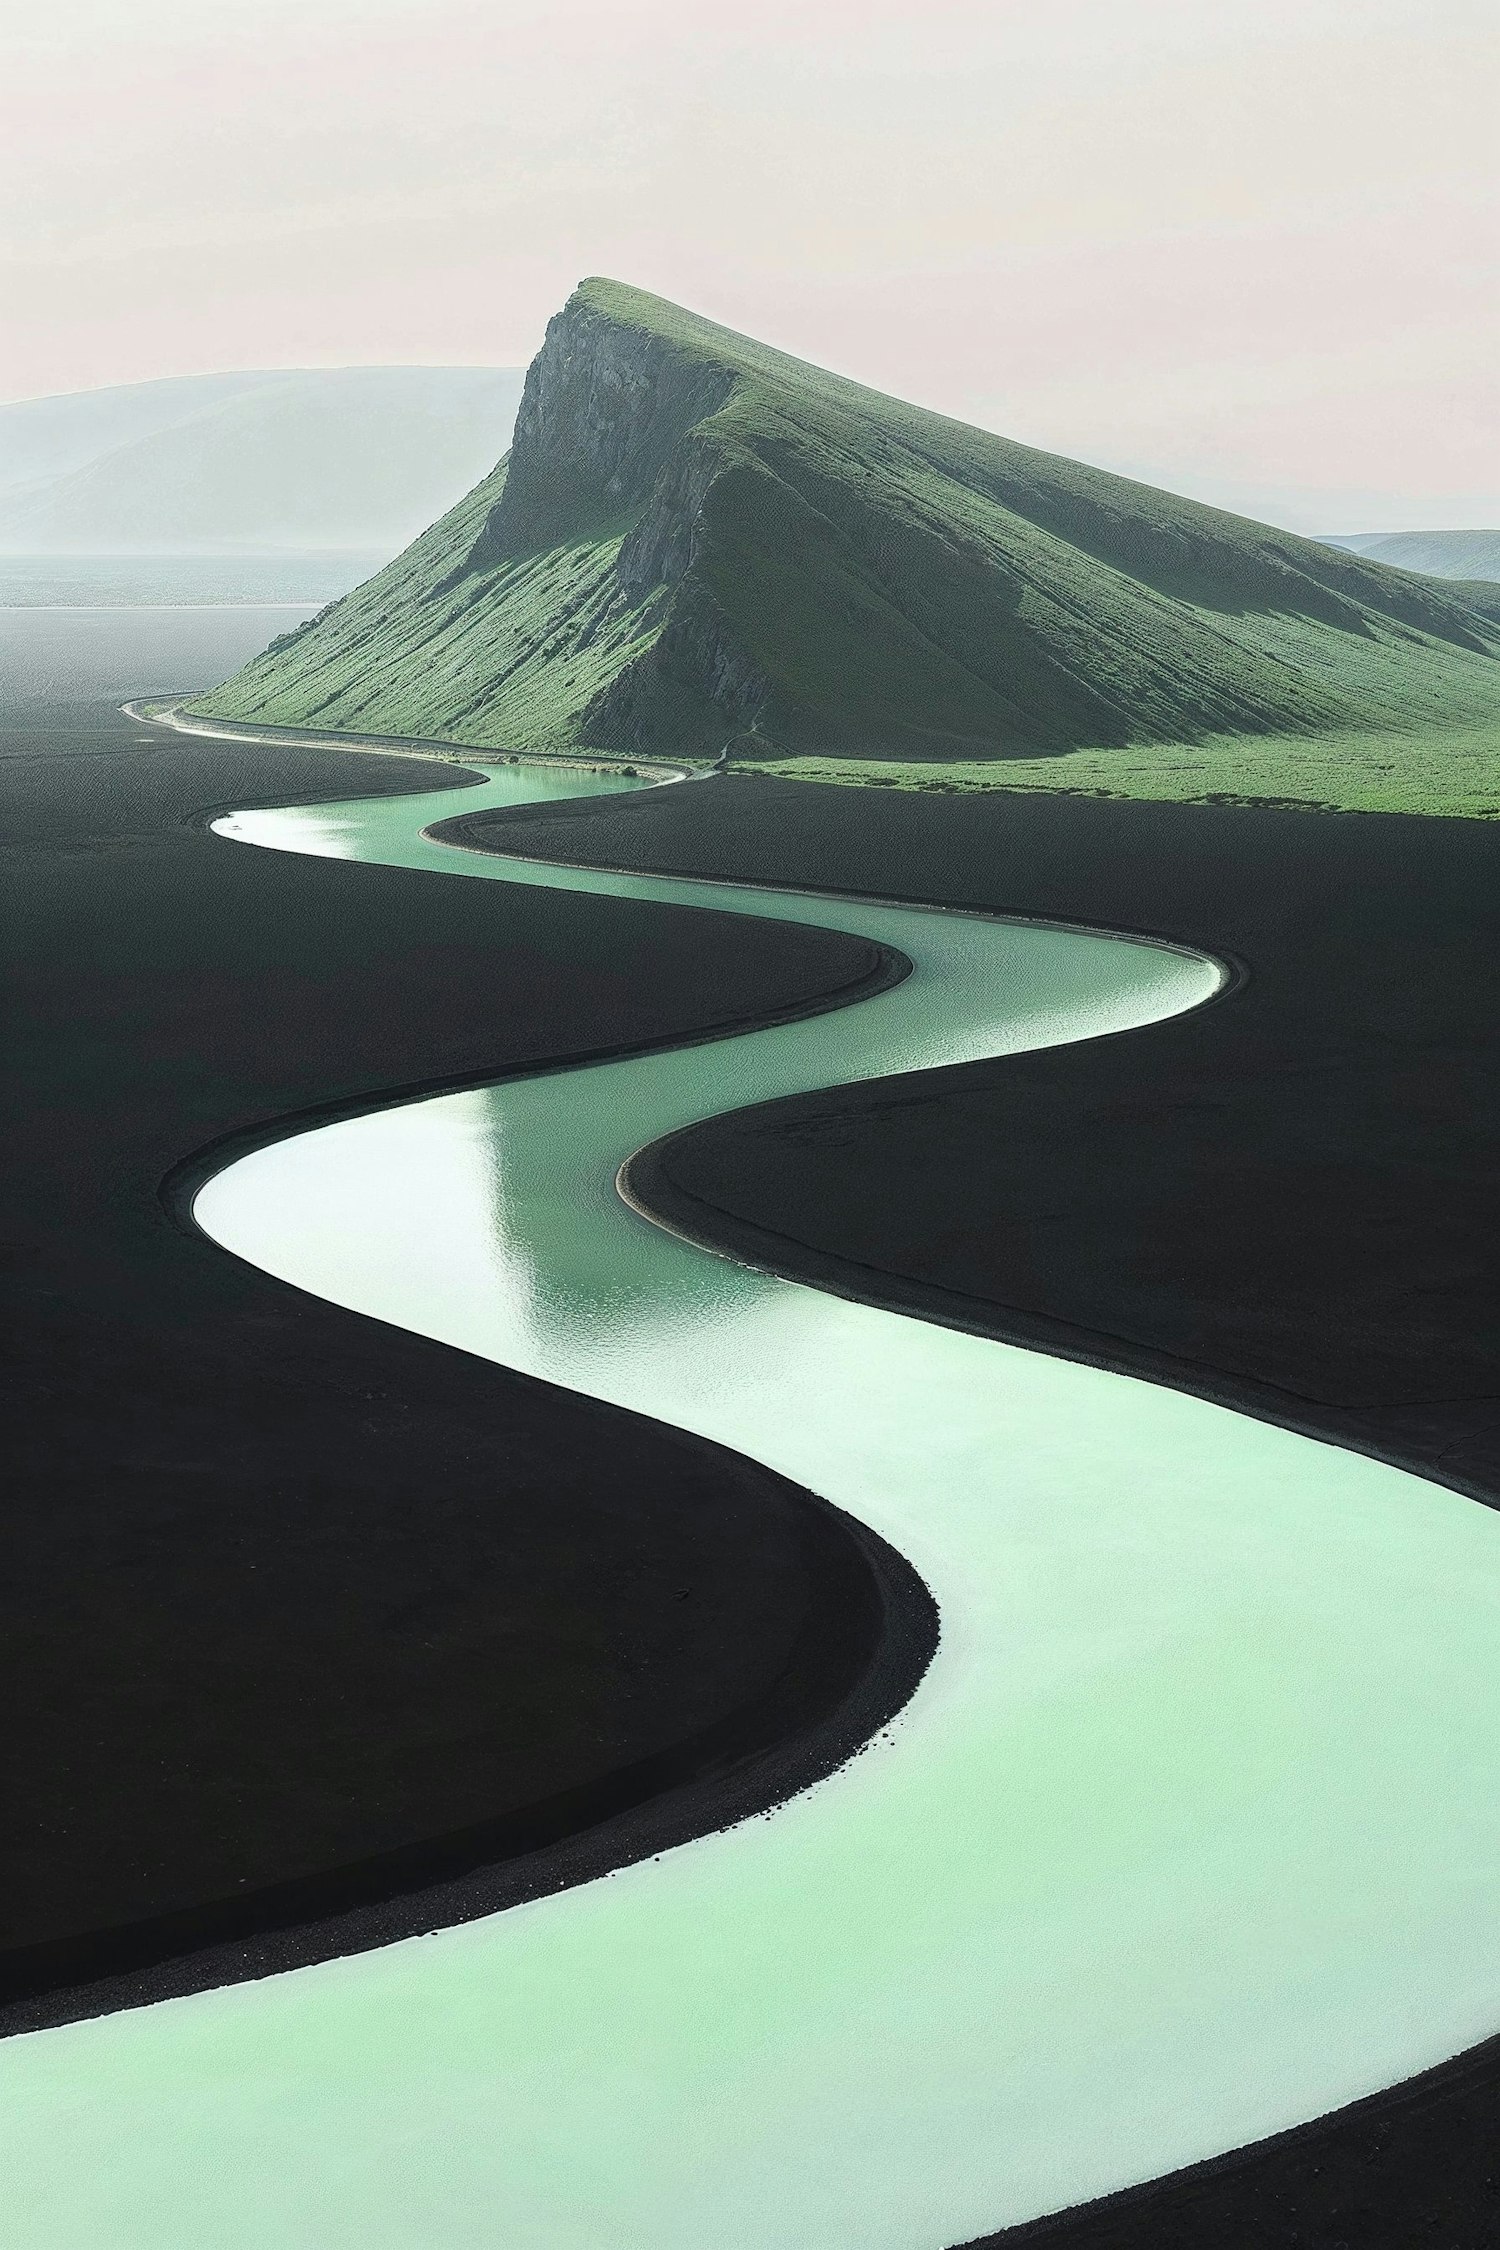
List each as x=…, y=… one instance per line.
x=695, y=536
x=325, y=458
x=42, y=438
x=1441, y=554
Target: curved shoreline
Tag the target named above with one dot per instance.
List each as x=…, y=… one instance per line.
x=648, y=1184
x=1311, y=2174
x=712, y=1782
x=182, y=1183
x=710, y=1227
x=644, y=1182
x=707, y=1785
x=462, y=833
x=181, y=1408
x=1058, y=2225
x=175, y=713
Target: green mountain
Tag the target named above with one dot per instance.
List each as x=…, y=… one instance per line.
x=696, y=538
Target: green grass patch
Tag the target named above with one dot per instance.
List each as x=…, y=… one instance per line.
x=1452, y=772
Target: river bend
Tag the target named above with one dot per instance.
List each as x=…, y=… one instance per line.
x=1192, y=1830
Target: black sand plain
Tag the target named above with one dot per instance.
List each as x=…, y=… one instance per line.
x=300, y=1615
x=1288, y=1201
x=283, y=1578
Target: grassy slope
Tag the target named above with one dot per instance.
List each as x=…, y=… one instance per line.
x=391, y=658
x=1452, y=770
x=864, y=580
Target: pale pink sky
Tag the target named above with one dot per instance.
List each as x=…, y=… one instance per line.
x=1244, y=247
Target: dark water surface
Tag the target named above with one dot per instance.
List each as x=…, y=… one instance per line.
x=179, y=581
x=53, y=657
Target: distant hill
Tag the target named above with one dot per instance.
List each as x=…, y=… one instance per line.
x=696, y=537
x=330, y=458
x=1440, y=554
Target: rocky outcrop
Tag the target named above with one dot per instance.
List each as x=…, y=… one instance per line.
x=616, y=434
x=669, y=535
x=604, y=408
x=693, y=689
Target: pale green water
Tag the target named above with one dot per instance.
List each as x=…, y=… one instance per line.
x=1190, y=1832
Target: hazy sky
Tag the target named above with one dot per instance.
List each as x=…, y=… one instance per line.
x=1244, y=247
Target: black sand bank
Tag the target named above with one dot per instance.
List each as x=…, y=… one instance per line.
x=1289, y=1200
x=299, y=1613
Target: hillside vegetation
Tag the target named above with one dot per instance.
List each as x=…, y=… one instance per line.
x=696, y=539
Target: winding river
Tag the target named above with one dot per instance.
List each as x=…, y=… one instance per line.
x=1191, y=1831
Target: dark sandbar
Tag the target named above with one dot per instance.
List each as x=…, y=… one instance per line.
x=1289, y=1201
x=301, y=1616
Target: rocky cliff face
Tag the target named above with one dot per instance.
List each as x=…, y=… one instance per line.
x=695, y=687
x=604, y=409
x=615, y=435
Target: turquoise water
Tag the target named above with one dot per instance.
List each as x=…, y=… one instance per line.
x=1190, y=1832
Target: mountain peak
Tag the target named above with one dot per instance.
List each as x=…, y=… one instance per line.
x=695, y=533
x=608, y=399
